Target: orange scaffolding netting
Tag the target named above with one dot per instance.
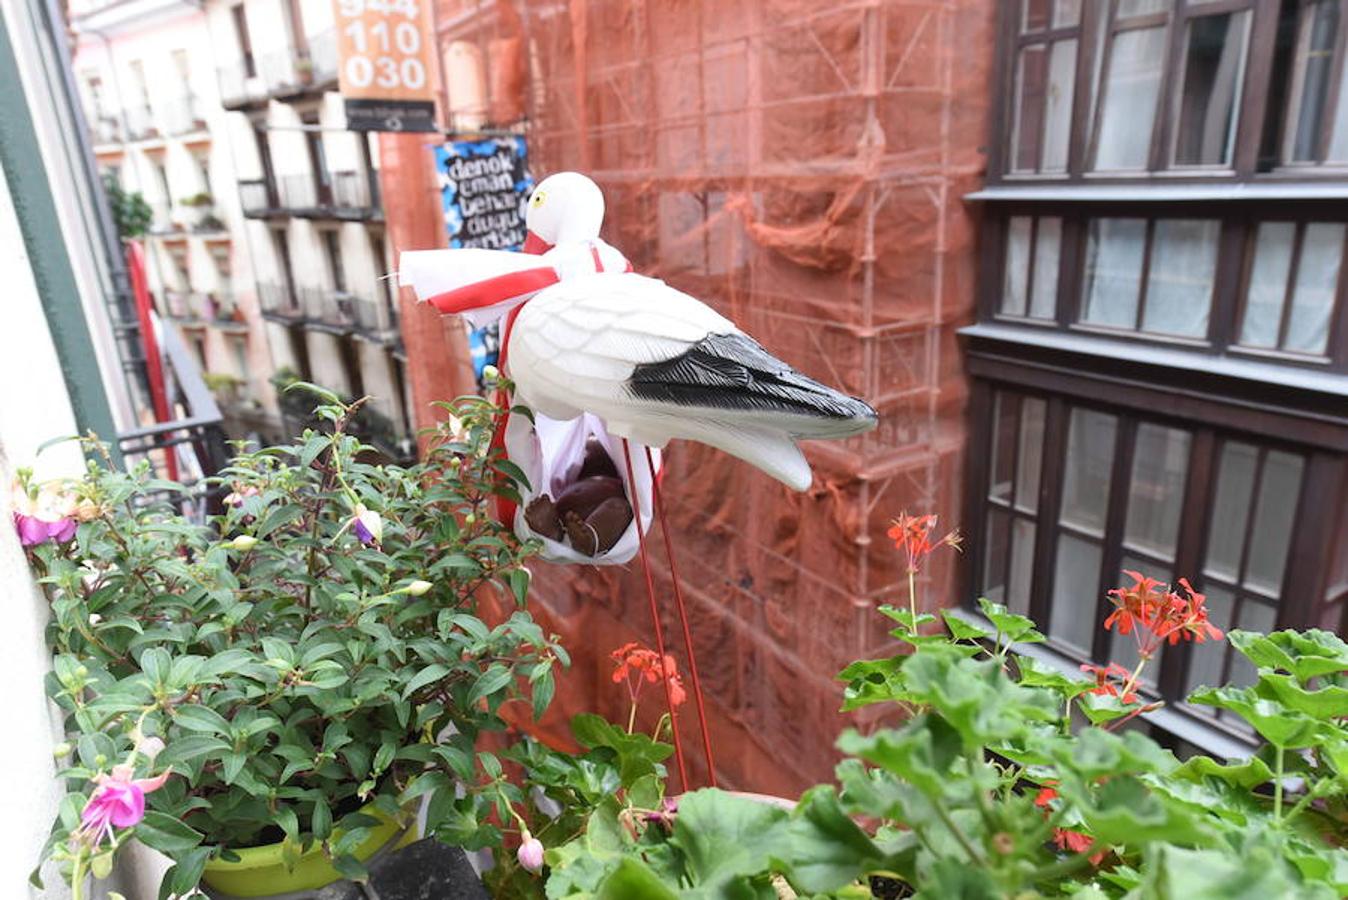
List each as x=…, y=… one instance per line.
x=800, y=167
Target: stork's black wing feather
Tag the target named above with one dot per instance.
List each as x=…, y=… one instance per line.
x=734, y=372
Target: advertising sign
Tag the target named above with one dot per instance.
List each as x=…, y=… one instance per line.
x=484, y=187
x=386, y=51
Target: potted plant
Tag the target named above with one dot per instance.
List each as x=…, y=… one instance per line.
x=265, y=696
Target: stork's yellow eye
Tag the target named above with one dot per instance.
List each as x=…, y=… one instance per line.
x=537, y=200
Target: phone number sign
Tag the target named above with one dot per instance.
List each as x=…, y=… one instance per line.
x=386, y=54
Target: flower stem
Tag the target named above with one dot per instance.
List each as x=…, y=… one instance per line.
x=632, y=718
x=77, y=877
x=1137, y=673
x=1277, y=787
x=969, y=848
x=912, y=595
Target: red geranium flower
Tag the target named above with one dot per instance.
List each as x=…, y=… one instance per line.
x=913, y=535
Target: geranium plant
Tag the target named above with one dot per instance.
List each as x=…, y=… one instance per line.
x=293, y=668
x=1005, y=778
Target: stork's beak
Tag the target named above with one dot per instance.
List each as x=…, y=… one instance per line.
x=535, y=244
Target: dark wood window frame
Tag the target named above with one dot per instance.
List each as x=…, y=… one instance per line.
x=1285, y=128
x=1257, y=99
x=1305, y=593
x=1235, y=256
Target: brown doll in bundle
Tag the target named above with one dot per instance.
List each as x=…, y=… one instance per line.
x=592, y=512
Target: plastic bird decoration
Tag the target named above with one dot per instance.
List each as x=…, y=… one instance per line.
x=585, y=334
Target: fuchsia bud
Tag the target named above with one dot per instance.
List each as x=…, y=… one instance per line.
x=530, y=853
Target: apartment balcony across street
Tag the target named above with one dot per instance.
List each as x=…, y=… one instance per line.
x=106, y=128
x=183, y=115
x=279, y=303
x=328, y=310
x=140, y=124
x=258, y=198
x=186, y=307
x=376, y=317
x=239, y=85
x=355, y=195
x=225, y=313
x=292, y=72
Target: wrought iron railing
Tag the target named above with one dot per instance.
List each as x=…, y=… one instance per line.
x=107, y=129
x=256, y=197
x=237, y=86
x=279, y=302
x=328, y=309
x=194, y=437
x=140, y=123
x=183, y=115
x=376, y=317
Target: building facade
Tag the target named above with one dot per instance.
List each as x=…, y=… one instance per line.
x=1160, y=363
x=309, y=192
x=148, y=86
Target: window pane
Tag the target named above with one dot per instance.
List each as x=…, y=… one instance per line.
x=1089, y=463
x=1066, y=13
x=1317, y=281
x=1130, y=8
x=1338, y=140
x=1022, y=565
x=1114, y=271
x=994, y=559
x=1254, y=616
x=1062, y=65
x=1031, y=89
x=1230, y=510
x=1179, y=287
x=1275, y=511
x=1214, y=67
x=1131, y=88
x=1030, y=459
x=1017, y=266
x=1315, y=56
x=1076, y=588
x=1047, y=249
x=1004, y=410
x=1205, y=663
x=1268, y=284
x=1156, y=492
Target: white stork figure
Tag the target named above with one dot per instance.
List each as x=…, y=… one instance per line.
x=652, y=362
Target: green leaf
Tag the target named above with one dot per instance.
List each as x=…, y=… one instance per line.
x=426, y=676
x=825, y=849
x=637, y=754
x=923, y=752
x=961, y=630
x=167, y=834
x=724, y=837
x=1325, y=704
x=633, y=880
x=1277, y=724
x=1249, y=774
x=195, y=717
x=1304, y=654
x=489, y=682
x=1013, y=627
x=156, y=664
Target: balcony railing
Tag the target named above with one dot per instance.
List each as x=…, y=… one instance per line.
x=183, y=115
x=237, y=87
x=257, y=198
x=323, y=56
x=186, y=306
x=107, y=129
x=140, y=123
x=279, y=303
x=344, y=195
x=328, y=310
x=376, y=318
x=225, y=312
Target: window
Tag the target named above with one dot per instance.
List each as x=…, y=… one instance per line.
x=1030, y=282
x=1134, y=59
x=202, y=159
x=1013, y=498
x=1045, y=74
x=1152, y=276
x=1314, y=122
x=240, y=19
x=1292, y=286
x=333, y=249
x=1214, y=69
x=1127, y=492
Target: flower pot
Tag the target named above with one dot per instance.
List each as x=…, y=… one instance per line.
x=262, y=872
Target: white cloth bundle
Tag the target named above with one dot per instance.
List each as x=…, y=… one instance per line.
x=551, y=452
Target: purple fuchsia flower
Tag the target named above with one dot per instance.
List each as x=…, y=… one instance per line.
x=236, y=497
x=367, y=526
x=49, y=516
x=530, y=853
x=117, y=802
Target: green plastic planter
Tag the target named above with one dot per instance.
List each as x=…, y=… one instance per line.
x=262, y=872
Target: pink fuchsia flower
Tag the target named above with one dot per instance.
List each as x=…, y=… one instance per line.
x=240, y=493
x=117, y=802
x=50, y=516
x=367, y=526
x=530, y=853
